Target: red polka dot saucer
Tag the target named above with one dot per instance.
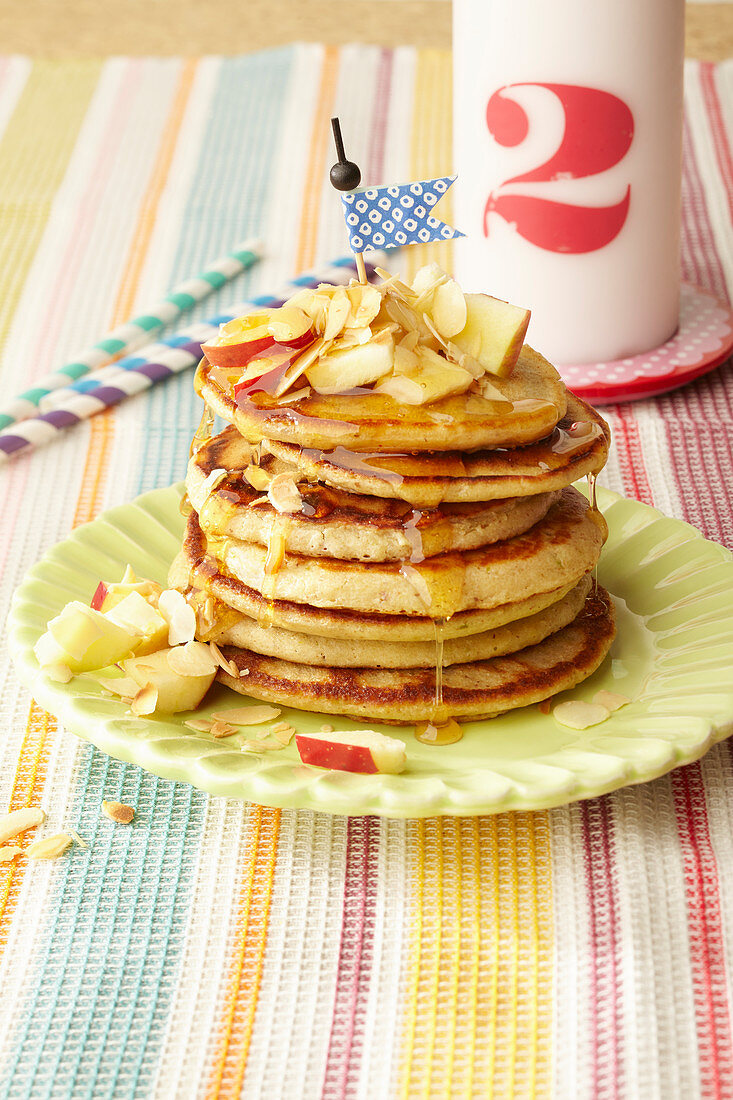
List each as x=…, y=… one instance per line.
x=703, y=341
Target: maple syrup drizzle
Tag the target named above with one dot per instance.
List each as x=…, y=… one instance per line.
x=202, y=434
x=434, y=733
x=274, y=558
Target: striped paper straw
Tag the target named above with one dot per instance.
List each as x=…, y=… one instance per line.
x=133, y=333
x=155, y=362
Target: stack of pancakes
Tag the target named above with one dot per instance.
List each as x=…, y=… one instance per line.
x=353, y=555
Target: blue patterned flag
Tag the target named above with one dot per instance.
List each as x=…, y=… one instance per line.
x=389, y=217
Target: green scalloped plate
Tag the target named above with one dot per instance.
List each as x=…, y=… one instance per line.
x=672, y=656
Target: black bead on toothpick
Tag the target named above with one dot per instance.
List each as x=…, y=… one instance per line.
x=345, y=175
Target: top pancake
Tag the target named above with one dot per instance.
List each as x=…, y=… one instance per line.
x=366, y=421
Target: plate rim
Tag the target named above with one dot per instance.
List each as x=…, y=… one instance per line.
x=64, y=704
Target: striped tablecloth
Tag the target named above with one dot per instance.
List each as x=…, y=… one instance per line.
x=222, y=949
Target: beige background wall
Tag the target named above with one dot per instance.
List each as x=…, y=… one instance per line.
x=63, y=28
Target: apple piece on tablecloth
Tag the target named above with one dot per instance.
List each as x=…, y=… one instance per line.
x=493, y=334
x=353, y=367
x=83, y=639
x=363, y=751
x=177, y=689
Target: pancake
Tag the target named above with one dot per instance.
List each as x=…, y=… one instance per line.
x=230, y=598
x=428, y=479
x=310, y=649
x=479, y=689
x=344, y=525
x=535, y=401
x=557, y=551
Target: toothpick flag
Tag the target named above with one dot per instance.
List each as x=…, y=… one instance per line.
x=389, y=217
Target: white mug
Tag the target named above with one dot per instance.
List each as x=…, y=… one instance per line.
x=568, y=146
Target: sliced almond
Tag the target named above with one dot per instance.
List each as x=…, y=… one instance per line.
x=209, y=484
x=119, y=685
x=119, y=812
x=366, y=302
x=222, y=729
x=192, y=659
x=201, y=725
x=612, y=700
x=145, y=701
x=222, y=662
x=284, y=736
x=240, y=672
x=50, y=847
x=179, y=615
x=578, y=715
x=326, y=728
x=77, y=839
x=300, y=365
x=247, y=716
x=284, y=494
x=448, y=309
x=18, y=821
x=338, y=310
x=297, y=395
x=8, y=852
x=258, y=478
x=255, y=745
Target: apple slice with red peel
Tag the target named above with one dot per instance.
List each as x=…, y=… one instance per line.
x=292, y=328
x=240, y=340
x=364, y=751
x=260, y=383
x=493, y=334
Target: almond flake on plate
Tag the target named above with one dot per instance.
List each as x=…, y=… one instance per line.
x=256, y=745
x=578, y=715
x=612, y=700
x=18, y=821
x=192, y=659
x=119, y=685
x=145, y=701
x=50, y=847
x=285, y=735
x=247, y=716
x=222, y=729
x=179, y=615
x=200, y=725
x=8, y=852
x=118, y=812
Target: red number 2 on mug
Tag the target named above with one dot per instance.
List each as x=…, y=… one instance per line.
x=598, y=132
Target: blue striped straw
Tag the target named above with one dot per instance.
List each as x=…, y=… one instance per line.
x=132, y=334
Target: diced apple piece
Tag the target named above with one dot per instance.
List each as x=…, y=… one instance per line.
x=432, y=379
x=345, y=370
x=83, y=639
x=363, y=751
x=175, y=692
x=493, y=334
x=108, y=594
x=448, y=309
